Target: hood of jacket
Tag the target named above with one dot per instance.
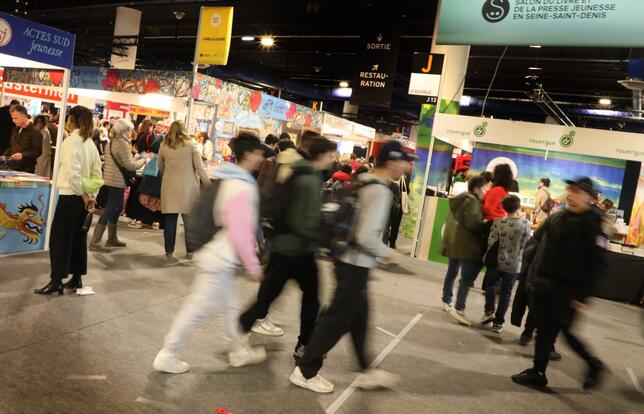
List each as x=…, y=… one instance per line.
x=230, y=171
x=341, y=176
x=457, y=202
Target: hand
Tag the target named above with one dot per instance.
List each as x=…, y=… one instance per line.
x=575, y=304
x=89, y=202
x=16, y=157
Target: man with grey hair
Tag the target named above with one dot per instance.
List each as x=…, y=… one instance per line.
x=25, y=145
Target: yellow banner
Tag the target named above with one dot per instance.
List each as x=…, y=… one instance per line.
x=155, y=113
x=213, y=39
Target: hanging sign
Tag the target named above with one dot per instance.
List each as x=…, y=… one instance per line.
x=608, y=23
x=373, y=82
x=29, y=40
x=425, y=79
x=213, y=37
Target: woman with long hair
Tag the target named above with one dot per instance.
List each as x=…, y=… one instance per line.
x=180, y=163
x=501, y=184
x=68, y=241
x=144, y=138
x=204, y=145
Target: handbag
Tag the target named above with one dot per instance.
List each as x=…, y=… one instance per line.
x=404, y=196
x=152, y=167
x=128, y=176
x=92, y=184
x=491, y=259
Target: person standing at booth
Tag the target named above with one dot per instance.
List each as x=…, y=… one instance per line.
x=68, y=241
x=543, y=201
x=25, y=145
x=6, y=125
x=43, y=163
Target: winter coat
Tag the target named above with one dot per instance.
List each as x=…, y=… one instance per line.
x=180, y=167
x=119, y=148
x=464, y=228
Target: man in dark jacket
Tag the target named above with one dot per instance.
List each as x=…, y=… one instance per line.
x=6, y=125
x=26, y=142
x=571, y=259
x=293, y=246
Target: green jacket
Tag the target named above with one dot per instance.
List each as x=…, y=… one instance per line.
x=303, y=215
x=463, y=228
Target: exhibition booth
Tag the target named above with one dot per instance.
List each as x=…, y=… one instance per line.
x=534, y=151
x=352, y=138
x=27, y=201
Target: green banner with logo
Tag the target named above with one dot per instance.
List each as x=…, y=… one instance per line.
x=608, y=23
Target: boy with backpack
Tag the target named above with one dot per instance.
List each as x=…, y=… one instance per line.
x=295, y=222
x=507, y=239
x=234, y=210
x=349, y=309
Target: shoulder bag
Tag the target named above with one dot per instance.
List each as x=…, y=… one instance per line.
x=128, y=176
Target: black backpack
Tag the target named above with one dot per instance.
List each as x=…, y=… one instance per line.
x=200, y=227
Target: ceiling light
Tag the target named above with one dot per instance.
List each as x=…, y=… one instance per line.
x=535, y=46
x=248, y=38
x=344, y=84
x=267, y=41
x=605, y=101
x=535, y=68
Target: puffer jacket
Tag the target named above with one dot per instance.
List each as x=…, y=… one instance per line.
x=119, y=148
x=463, y=229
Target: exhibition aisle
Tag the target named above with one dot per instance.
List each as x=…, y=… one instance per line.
x=94, y=353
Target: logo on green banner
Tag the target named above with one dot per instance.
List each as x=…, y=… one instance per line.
x=496, y=10
x=480, y=130
x=567, y=140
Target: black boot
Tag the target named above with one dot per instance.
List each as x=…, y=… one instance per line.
x=74, y=283
x=51, y=287
x=525, y=338
x=595, y=373
x=531, y=378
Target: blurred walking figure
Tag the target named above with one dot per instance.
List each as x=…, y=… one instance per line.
x=235, y=209
x=571, y=259
x=182, y=169
x=349, y=309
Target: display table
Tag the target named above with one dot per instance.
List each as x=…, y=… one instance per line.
x=623, y=280
x=24, y=200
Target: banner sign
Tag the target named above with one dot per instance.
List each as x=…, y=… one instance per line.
x=213, y=38
x=373, y=82
x=144, y=111
x=425, y=79
x=36, y=91
x=606, y=23
x=464, y=130
x=29, y=40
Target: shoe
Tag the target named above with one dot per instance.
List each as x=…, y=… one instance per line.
x=50, y=288
x=247, y=355
x=266, y=327
x=135, y=224
x=496, y=328
x=316, y=384
x=446, y=307
x=555, y=356
x=97, y=236
x=487, y=318
x=189, y=256
x=595, y=374
x=155, y=225
x=112, y=237
x=530, y=378
x=373, y=379
x=460, y=317
x=299, y=352
x=74, y=283
x=525, y=339
x=168, y=363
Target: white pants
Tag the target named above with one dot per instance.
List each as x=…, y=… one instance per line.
x=210, y=287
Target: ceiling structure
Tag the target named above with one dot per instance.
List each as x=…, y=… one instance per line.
x=315, y=49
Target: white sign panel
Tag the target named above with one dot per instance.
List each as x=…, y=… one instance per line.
x=423, y=84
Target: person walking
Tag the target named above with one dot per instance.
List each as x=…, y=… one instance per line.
x=509, y=235
x=293, y=245
x=543, y=201
x=180, y=163
x=43, y=162
x=461, y=243
x=572, y=258
x=236, y=210
x=68, y=241
x=25, y=145
x=119, y=163
x=349, y=309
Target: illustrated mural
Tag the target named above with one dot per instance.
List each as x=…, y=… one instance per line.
x=31, y=76
x=164, y=82
x=22, y=219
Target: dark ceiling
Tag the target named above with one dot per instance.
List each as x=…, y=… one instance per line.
x=316, y=43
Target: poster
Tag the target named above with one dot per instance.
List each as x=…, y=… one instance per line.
x=441, y=165
x=636, y=229
x=23, y=213
x=213, y=38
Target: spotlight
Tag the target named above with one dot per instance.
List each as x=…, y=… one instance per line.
x=535, y=68
x=605, y=101
x=344, y=84
x=248, y=38
x=267, y=41
x=535, y=46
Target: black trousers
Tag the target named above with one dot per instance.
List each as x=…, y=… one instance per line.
x=68, y=241
x=390, y=235
x=553, y=314
x=348, y=312
x=279, y=270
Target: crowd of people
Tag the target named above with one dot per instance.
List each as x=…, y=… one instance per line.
x=278, y=204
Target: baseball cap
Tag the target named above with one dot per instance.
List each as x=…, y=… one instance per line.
x=584, y=184
x=394, y=151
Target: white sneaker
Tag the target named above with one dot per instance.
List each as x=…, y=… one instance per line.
x=374, y=378
x=247, y=355
x=166, y=362
x=446, y=307
x=460, y=317
x=135, y=224
x=266, y=327
x=316, y=384
x=487, y=318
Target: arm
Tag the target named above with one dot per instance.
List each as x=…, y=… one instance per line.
x=594, y=263
x=198, y=166
x=238, y=220
x=472, y=217
x=124, y=156
x=491, y=201
x=72, y=156
x=306, y=202
x=542, y=229
x=371, y=219
x=35, y=146
x=161, y=158
x=494, y=234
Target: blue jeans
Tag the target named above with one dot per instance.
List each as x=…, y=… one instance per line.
x=113, y=206
x=469, y=271
x=507, y=283
x=170, y=231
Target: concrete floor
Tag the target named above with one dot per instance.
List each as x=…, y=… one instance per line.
x=93, y=354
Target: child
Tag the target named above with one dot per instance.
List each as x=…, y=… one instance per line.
x=511, y=233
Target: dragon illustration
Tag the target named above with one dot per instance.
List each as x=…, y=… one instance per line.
x=27, y=222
